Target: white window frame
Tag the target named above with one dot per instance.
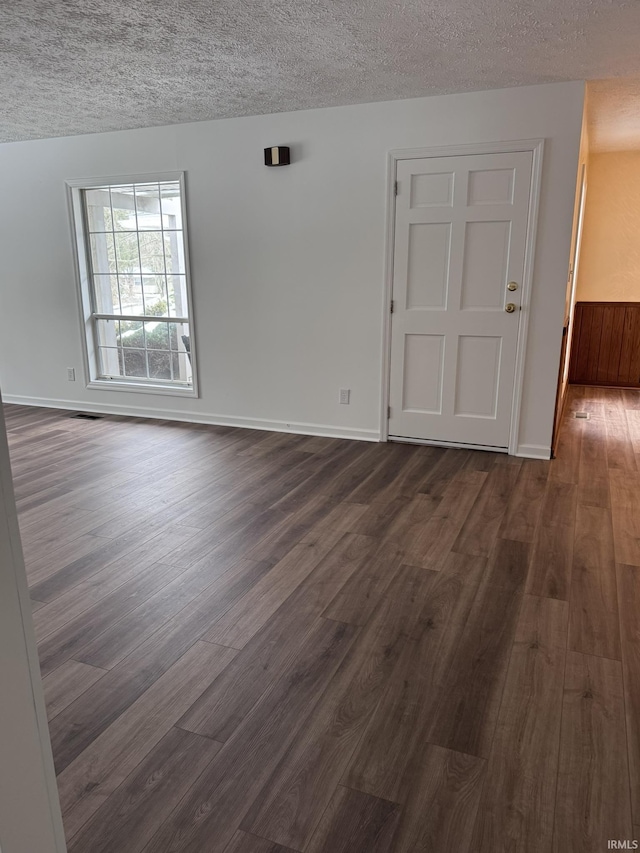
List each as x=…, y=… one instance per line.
x=79, y=232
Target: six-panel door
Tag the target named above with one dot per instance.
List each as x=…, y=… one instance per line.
x=460, y=238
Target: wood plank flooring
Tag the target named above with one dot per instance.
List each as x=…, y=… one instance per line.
x=263, y=643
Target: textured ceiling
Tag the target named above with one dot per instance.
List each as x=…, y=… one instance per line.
x=81, y=66
x=614, y=115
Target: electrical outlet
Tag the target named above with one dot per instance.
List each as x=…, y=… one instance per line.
x=71, y=374
x=345, y=394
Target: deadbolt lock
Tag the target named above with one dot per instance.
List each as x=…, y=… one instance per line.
x=510, y=307
x=513, y=285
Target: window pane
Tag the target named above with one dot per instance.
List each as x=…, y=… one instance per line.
x=175, y=333
x=182, y=338
x=98, y=208
x=135, y=362
x=103, y=259
x=108, y=332
x=171, y=208
x=127, y=255
x=182, y=367
x=152, y=252
x=157, y=335
x=107, y=297
x=174, y=252
x=110, y=362
x=131, y=295
x=148, y=207
x=131, y=334
x=160, y=364
x=155, y=295
x=177, y=288
x=124, y=208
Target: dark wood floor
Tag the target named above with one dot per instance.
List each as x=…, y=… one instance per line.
x=260, y=643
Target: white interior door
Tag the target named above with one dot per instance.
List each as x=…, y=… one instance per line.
x=460, y=240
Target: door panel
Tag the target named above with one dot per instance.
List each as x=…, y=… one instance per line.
x=491, y=186
x=432, y=190
x=428, y=264
x=486, y=261
x=423, y=393
x=478, y=369
x=460, y=238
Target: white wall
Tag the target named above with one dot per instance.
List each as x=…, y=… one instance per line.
x=287, y=264
x=30, y=820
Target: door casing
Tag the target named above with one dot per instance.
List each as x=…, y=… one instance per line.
x=536, y=146
x=574, y=265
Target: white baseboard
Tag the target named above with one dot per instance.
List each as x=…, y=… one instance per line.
x=197, y=418
x=534, y=451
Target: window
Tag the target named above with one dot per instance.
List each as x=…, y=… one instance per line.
x=133, y=270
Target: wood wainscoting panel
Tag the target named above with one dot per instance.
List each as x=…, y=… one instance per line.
x=606, y=344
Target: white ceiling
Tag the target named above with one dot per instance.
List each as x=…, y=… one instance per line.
x=81, y=66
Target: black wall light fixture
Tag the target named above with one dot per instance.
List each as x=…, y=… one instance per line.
x=277, y=155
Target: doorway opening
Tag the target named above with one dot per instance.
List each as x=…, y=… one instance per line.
x=602, y=320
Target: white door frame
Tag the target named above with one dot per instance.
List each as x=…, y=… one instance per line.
x=575, y=268
x=536, y=147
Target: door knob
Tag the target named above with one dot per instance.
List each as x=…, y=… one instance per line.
x=510, y=307
x=513, y=285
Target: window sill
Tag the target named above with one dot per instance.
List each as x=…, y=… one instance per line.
x=140, y=388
